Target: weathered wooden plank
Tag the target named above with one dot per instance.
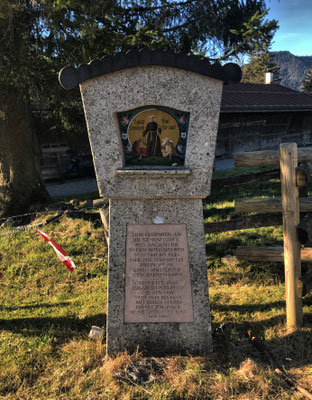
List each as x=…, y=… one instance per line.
x=96, y=203
x=274, y=254
x=269, y=205
x=291, y=218
x=260, y=205
x=104, y=213
x=267, y=157
x=254, y=158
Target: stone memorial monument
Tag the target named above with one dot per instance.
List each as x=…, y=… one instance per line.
x=152, y=118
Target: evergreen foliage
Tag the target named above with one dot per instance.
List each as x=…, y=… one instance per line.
x=39, y=37
x=306, y=87
x=289, y=68
x=254, y=71
x=259, y=64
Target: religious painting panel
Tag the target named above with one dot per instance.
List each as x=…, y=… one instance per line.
x=154, y=136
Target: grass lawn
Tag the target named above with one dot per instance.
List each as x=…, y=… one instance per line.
x=46, y=313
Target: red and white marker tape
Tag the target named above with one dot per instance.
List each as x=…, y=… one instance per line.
x=60, y=252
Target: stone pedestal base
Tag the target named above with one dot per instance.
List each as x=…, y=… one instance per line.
x=160, y=289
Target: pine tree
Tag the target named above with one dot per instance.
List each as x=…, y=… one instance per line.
x=39, y=37
x=306, y=87
x=259, y=64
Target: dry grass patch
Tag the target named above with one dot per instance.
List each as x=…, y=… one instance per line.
x=187, y=376
x=74, y=374
x=113, y=368
x=249, y=381
x=46, y=314
x=133, y=372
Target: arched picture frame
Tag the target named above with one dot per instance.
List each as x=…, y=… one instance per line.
x=154, y=135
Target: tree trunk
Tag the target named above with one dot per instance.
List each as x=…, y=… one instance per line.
x=20, y=180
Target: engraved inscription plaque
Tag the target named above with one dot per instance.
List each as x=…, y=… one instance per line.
x=158, y=286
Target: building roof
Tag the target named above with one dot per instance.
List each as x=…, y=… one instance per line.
x=253, y=97
x=69, y=77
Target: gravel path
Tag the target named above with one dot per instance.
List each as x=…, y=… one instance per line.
x=227, y=163
x=72, y=187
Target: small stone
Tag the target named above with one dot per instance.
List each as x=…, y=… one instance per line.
x=96, y=333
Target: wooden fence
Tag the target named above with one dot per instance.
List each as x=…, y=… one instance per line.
x=290, y=205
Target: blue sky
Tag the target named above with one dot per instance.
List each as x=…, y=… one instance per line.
x=295, y=21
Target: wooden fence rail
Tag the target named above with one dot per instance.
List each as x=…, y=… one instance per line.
x=290, y=206
x=269, y=205
x=274, y=254
x=267, y=157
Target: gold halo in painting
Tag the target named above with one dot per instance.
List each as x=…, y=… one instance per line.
x=168, y=125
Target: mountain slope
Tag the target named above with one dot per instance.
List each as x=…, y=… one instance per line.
x=292, y=68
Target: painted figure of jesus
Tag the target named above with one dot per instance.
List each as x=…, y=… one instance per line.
x=153, y=141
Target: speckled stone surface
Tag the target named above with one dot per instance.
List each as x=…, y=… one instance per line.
x=153, y=173
x=158, y=338
x=120, y=91
x=155, y=195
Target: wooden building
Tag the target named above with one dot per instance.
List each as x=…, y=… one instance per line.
x=261, y=116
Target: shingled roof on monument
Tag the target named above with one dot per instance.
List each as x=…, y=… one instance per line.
x=248, y=97
x=69, y=77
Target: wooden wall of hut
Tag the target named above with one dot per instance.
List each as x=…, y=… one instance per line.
x=243, y=131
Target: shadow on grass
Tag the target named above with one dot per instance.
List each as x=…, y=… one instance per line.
x=246, y=308
x=82, y=197
x=266, y=189
x=288, y=348
x=221, y=212
x=31, y=306
x=62, y=328
x=243, y=308
x=95, y=218
x=223, y=247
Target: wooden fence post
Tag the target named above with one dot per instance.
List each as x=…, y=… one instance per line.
x=290, y=205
